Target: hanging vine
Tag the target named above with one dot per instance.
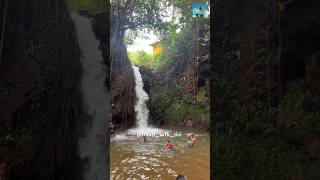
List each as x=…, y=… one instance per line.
x=3, y=28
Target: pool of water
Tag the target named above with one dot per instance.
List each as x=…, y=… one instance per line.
x=130, y=158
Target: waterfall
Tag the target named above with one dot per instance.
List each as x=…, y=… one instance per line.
x=142, y=111
x=142, y=97
x=93, y=145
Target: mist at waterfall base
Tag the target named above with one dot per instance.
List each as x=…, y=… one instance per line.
x=131, y=158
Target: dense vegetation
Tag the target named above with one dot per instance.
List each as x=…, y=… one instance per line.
x=176, y=35
x=143, y=59
x=265, y=122
x=179, y=106
x=172, y=100
x=251, y=145
x=93, y=6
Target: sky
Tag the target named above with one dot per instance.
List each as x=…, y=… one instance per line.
x=141, y=43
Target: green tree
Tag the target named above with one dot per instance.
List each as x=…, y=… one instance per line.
x=135, y=15
x=94, y=6
x=142, y=58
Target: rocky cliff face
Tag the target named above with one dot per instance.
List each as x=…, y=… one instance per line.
x=150, y=80
x=265, y=81
x=101, y=28
x=122, y=84
x=119, y=72
x=40, y=105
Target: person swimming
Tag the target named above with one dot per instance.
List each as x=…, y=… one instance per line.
x=168, y=145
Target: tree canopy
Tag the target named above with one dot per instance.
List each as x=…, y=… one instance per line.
x=136, y=15
x=172, y=21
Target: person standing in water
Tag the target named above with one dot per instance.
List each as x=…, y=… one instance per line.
x=145, y=139
x=192, y=140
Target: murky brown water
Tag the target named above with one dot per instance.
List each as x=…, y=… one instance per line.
x=133, y=159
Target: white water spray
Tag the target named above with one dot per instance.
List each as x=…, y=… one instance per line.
x=142, y=97
x=142, y=112
x=93, y=145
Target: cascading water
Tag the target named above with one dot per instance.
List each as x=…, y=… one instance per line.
x=142, y=97
x=93, y=145
x=142, y=112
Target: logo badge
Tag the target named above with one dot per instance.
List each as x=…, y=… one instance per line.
x=199, y=10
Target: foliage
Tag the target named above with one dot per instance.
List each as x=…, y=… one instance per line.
x=238, y=157
x=247, y=146
x=177, y=43
x=180, y=111
x=300, y=121
x=136, y=15
x=202, y=98
x=142, y=58
x=93, y=6
x=163, y=96
x=176, y=33
x=129, y=37
x=178, y=105
x=174, y=45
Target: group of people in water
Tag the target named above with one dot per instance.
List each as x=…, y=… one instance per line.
x=190, y=143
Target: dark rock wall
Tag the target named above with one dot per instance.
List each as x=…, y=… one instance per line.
x=249, y=53
x=40, y=99
x=150, y=80
x=101, y=28
x=265, y=62
x=122, y=83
